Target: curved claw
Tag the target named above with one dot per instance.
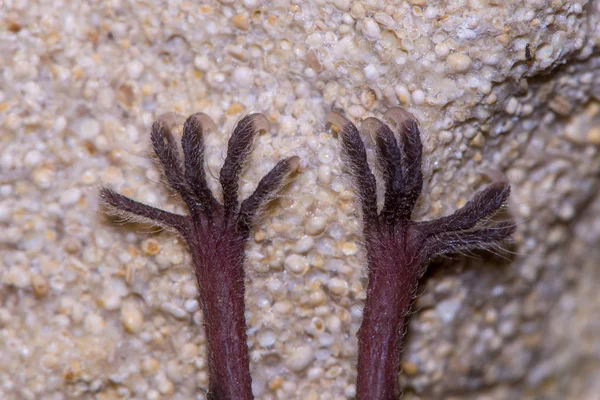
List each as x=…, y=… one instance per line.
x=166, y=151
x=192, y=143
x=390, y=160
x=123, y=205
x=483, y=205
x=259, y=122
x=171, y=119
x=267, y=189
x=238, y=148
x=338, y=120
x=452, y=242
x=206, y=121
x=356, y=154
x=412, y=151
x=400, y=117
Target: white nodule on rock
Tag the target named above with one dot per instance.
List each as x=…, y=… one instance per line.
x=94, y=323
x=299, y=358
x=316, y=225
x=458, y=62
x=243, y=76
x=266, y=338
x=371, y=28
x=69, y=197
x=296, y=264
x=447, y=309
x=131, y=318
x=304, y=244
x=135, y=69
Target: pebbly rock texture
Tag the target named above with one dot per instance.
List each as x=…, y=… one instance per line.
x=90, y=309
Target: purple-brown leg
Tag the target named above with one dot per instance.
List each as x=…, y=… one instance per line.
x=216, y=234
x=397, y=247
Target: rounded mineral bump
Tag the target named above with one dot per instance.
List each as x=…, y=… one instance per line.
x=544, y=52
x=266, y=338
x=33, y=158
x=446, y=137
x=333, y=372
x=135, y=69
x=315, y=373
x=202, y=63
x=152, y=395
x=402, y=93
x=69, y=197
x=243, y=76
x=275, y=383
x=368, y=98
x=173, y=310
x=511, y=106
x=275, y=287
x=316, y=326
x=316, y=225
x=165, y=386
x=338, y=286
x=87, y=128
x=94, y=323
x=326, y=155
x=283, y=307
x=191, y=305
x=458, y=62
x=324, y=174
x=39, y=285
x=317, y=297
x=356, y=111
x=338, y=185
x=43, y=176
x=151, y=247
x=447, y=309
x=370, y=28
x=110, y=300
x=189, y=351
x=103, y=239
x=296, y=264
x=241, y=21
x=333, y=324
x=418, y=97
x=300, y=357
x=88, y=177
x=442, y=49
x=304, y=244
x=131, y=318
x=315, y=259
x=262, y=301
x=349, y=248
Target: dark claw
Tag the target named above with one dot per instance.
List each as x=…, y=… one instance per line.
x=390, y=160
x=192, y=144
x=356, y=155
x=144, y=212
x=485, y=203
x=453, y=242
x=412, y=150
x=267, y=188
x=238, y=149
x=166, y=151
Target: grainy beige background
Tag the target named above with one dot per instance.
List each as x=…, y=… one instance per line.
x=91, y=309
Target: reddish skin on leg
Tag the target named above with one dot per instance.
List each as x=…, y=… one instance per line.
x=216, y=234
x=399, y=248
